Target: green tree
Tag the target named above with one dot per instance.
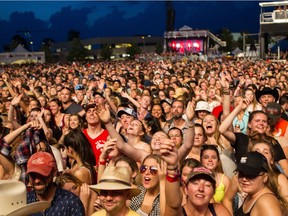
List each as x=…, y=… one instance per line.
x=73, y=34
x=226, y=35
x=46, y=47
x=133, y=51
x=15, y=41
x=106, y=52
x=77, y=52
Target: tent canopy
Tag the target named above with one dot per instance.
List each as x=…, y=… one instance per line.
x=20, y=49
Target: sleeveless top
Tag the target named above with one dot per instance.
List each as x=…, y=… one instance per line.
x=140, y=212
x=219, y=191
x=97, y=143
x=210, y=207
x=240, y=211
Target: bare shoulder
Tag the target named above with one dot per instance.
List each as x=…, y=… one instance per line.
x=220, y=209
x=267, y=204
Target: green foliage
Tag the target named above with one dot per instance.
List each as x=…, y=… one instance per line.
x=226, y=35
x=133, y=51
x=15, y=40
x=46, y=46
x=77, y=51
x=106, y=52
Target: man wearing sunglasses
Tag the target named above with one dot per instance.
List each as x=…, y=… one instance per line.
x=114, y=190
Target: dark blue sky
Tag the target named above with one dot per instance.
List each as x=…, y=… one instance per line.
x=53, y=19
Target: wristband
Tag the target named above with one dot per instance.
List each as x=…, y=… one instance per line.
x=102, y=162
x=172, y=179
x=191, y=126
x=174, y=168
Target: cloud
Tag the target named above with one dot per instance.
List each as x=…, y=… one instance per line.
x=98, y=19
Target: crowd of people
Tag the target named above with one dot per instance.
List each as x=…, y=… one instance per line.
x=162, y=137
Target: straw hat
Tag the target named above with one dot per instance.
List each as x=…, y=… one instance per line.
x=13, y=200
x=116, y=178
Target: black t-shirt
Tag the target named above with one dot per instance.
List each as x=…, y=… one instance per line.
x=73, y=108
x=241, y=147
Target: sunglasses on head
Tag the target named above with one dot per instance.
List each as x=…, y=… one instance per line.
x=152, y=169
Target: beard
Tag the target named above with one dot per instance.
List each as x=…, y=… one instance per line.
x=177, y=115
x=42, y=191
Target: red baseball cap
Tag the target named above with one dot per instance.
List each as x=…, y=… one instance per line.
x=42, y=163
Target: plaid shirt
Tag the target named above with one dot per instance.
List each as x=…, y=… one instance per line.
x=25, y=149
x=137, y=201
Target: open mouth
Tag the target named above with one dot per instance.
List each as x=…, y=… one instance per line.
x=147, y=180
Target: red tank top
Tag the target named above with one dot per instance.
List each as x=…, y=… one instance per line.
x=97, y=143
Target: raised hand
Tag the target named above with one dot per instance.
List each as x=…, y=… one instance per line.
x=124, y=94
x=190, y=109
x=35, y=125
x=223, y=80
x=108, y=147
x=104, y=114
x=245, y=103
x=16, y=100
x=169, y=152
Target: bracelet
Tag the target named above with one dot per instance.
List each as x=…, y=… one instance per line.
x=102, y=162
x=172, y=179
x=174, y=168
x=191, y=126
x=226, y=92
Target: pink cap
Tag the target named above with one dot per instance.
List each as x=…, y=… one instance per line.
x=42, y=163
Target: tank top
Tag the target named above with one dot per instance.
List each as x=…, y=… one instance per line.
x=219, y=191
x=210, y=207
x=97, y=143
x=240, y=211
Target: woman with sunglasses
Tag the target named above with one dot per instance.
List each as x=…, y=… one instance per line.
x=151, y=200
x=211, y=160
x=262, y=197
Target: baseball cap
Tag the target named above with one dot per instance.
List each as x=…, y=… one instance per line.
x=79, y=87
x=98, y=93
x=89, y=106
x=127, y=111
x=42, y=163
x=252, y=164
x=201, y=171
x=169, y=102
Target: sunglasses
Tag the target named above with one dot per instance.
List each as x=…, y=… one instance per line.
x=241, y=175
x=152, y=169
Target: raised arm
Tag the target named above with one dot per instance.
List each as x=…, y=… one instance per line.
x=224, y=127
x=190, y=132
x=173, y=194
x=135, y=103
x=109, y=145
x=9, y=138
x=230, y=194
x=136, y=154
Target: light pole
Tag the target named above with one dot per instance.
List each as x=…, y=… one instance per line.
x=143, y=38
x=31, y=43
